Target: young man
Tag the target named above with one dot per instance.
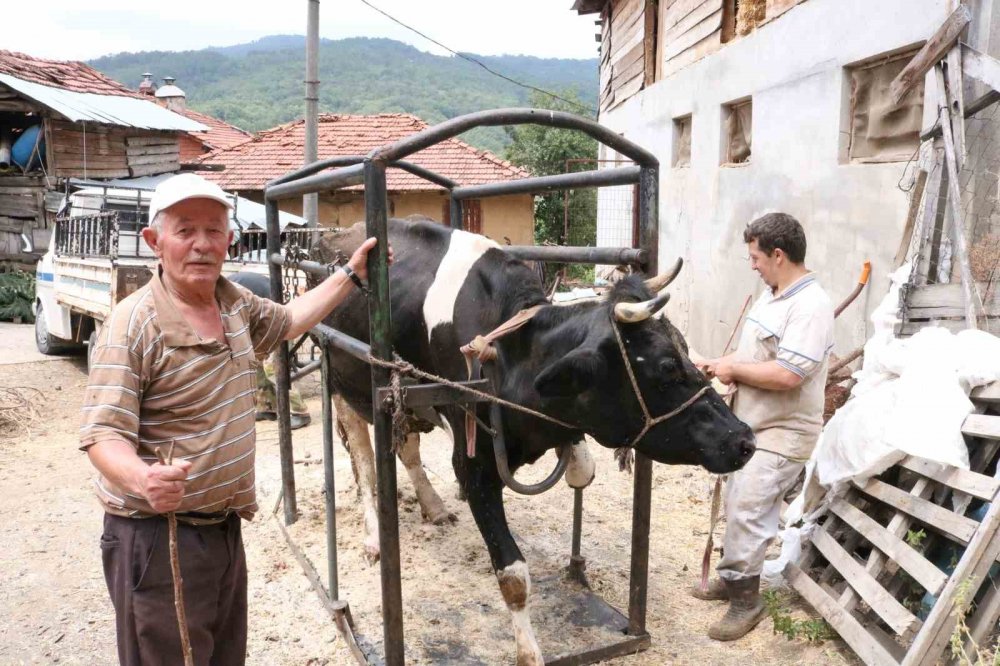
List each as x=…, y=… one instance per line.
x=174, y=368
x=779, y=369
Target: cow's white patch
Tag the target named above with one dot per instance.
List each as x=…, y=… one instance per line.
x=464, y=249
x=581, y=468
x=528, y=652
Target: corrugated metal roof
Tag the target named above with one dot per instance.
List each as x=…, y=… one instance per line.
x=106, y=109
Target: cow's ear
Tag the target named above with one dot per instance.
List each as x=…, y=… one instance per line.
x=574, y=373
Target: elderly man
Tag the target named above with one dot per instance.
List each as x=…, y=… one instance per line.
x=779, y=369
x=175, y=368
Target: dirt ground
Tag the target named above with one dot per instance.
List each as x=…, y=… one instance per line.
x=55, y=608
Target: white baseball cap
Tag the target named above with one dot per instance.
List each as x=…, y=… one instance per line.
x=182, y=187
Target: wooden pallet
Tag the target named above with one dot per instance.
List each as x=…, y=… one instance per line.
x=859, y=570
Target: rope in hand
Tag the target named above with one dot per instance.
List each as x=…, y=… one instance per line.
x=175, y=568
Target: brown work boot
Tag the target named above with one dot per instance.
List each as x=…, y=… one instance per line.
x=746, y=610
x=717, y=591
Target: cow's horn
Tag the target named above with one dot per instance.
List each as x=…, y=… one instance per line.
x=657, y=283
x=631, y=313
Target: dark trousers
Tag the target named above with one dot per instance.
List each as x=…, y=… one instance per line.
x=137, y=570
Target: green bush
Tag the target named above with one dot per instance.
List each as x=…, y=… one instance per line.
x=17, y=296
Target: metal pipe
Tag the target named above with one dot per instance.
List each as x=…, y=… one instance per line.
x=342, y=177
x=310, y=202
x=450, y=128
x=281, y=375
x=456, y=211
x=577, y=521
x=334, y=338
x=307, y=369
x=380, y=324
x=643, y=469
x=329, y=481
x=578, y=255
x=561, y=181
x=349, y=160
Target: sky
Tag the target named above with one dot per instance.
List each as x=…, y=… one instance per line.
x=73, y=30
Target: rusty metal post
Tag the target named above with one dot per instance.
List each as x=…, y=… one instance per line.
x=648, y=192
x=376, y=224
x=281, y=374
x=329, y=482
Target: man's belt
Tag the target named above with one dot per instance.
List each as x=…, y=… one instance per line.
x=203, y=519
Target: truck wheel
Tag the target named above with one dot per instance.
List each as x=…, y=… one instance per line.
x=47, y=344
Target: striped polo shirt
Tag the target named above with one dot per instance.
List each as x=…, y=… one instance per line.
x=153, y=380
x=795, y=330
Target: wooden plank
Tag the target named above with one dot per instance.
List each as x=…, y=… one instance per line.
x=983, y=621
x=690, y=38
x=929, y=576
x=982, y=425
x=627, y=90
x=960, y=249
x=154, y=169
x=626, y=49
x=649, y=43
x=989, y=394
x=978, y=485
x=956, y=96
x=705, y=47
x=902, y=621
x=628, y=73
x=139, y=151
x=151, y=140
x=955, y=527
x=946, y=295
x=155, y=159
x=681, y=9
x=969, y=574
x=981, y=67
x=953, y=325
x=932, y=52
x=624, y=13
x=700, y=13
x=916, y=196
x=867, y=648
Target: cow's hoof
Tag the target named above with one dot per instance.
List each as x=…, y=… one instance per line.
x=443, y=518
x=530, y=657
x=372, y=552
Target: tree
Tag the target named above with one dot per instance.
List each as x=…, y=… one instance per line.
x=546, y=151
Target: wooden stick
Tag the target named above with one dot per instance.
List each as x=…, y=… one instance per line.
x=934, y=50
x=175, y=570
x=955, y=203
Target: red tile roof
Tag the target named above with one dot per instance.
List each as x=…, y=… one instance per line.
x=65, y=74
x=220, y=134
x=274, y=152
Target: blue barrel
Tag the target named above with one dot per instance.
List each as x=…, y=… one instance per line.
x=23, y=149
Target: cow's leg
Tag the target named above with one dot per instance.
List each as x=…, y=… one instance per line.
x=431, y=506
x=354, y=432
x=484, y=489
x=581, y=468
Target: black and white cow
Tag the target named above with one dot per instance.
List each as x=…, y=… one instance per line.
x=449, y=286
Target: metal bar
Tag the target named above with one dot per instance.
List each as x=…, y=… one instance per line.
x=456, y=211
x=281, y=375
x=380, y=324
x=342, y=341
x=342, y=177
x=329, y=482
x=429, y=395
x=578, y=255
x=310, y=202
x=306, y=369
x=577, y=521
x=560, y=181
x=426, y=174
x=450, y=128
x=349, y=160
x=643, y=479
x=639, y=570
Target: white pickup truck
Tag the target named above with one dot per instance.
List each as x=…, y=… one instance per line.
x=97, y=257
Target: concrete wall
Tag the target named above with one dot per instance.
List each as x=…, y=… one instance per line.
x=793, y=68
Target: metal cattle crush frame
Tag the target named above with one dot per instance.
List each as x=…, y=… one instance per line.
x=370, y=171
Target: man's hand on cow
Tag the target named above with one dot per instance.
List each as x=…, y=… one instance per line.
x=359, y=260
x=722, y=369
x=163, y=485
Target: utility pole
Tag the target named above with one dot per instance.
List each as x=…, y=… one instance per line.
x=310, y=202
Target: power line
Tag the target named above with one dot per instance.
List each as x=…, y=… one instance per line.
x=479, y=62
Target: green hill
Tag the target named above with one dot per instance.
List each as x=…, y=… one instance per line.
x=259, y=84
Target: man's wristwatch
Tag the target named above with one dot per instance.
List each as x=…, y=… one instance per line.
x=354, y=277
